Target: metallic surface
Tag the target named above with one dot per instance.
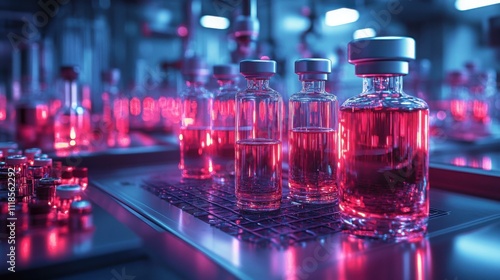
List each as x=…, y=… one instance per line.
x=466, y=235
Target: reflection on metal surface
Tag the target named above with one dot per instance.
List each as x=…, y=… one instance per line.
x=215, y=205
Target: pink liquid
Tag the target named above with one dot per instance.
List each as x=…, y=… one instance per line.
x=458, y=109
x=195, y=158
x=383, y=171
x=223, y=151
x=480, y=111
x=313, y=165
x=72, y=134
x=258, y=174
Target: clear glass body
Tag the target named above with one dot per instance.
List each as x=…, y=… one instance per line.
x=195, y=135
x=115, y=117
x=72, y=128
x=459, y=100
x=82, y=181
x=481, y=87
x=32, y=121
x=35, y=173
x=312, y=148
x=223, y=130
x=384, y=161
x=20, y=171
x=258, y=159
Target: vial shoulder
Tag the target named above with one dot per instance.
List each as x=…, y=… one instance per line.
x=401, y=101
x=313, y=97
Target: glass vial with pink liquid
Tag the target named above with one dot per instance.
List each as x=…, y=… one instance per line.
x=258, y=159
x=384, y=146
x=115, y=112
x=195, y=134
x=72, y=128
x=312, y=136
x=223, y=118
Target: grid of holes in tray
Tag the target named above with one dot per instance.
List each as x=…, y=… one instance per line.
x=216, y=205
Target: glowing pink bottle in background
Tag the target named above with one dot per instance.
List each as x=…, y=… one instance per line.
x=384, y=145
x=195, y=135
x=115, y=118
x=72, y=131
x=223, y=118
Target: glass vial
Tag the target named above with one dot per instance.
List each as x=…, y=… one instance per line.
x=65, y=195
x=312, y=136
x=223, y=118
x=115, y=118
x=72, y=129
x=195, y=133
x=31, y=154
x=259, y=113
x=80, y=176
x=384, y=145
x=18, y=165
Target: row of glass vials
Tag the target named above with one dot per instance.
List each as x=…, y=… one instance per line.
x=38, y=192
x=370, y=155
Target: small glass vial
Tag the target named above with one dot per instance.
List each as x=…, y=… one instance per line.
x=46, y=191
x=312, y=136
x=459, y=99
x=72, y=131
x=195, y=133
x=65, y=195
x=80, y=176
x=258, y=159
x=31, y=154
x=80, y=216
x=67, y=175
x=223, y=118
x=384, y=146
x=19, y=165
x=46, y=164
x=5, y=147
x=35, y=174
x=57, y=169
x=115, y=118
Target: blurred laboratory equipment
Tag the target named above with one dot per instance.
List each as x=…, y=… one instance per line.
x=114, y=125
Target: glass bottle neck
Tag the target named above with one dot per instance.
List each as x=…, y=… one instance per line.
x=226, y=84
x=71, y=98
x=313, y=86
x=258, y=84
x=383, y=85
x=194, y=84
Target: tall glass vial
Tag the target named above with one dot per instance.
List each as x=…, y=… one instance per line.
x=259, y=114
x=195, y=135
x=384, y=145
x=223, y=118
x=312, y=135
x=72, y=131
x=115, y=118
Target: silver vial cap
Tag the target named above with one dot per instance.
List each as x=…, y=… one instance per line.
x=313, y=68
x=381, y=55
x=42, y=162
x=195, y=69
x=32, y=152
x=16, y=159
x=258, y=68
x=68, y=191
x=226, y=71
